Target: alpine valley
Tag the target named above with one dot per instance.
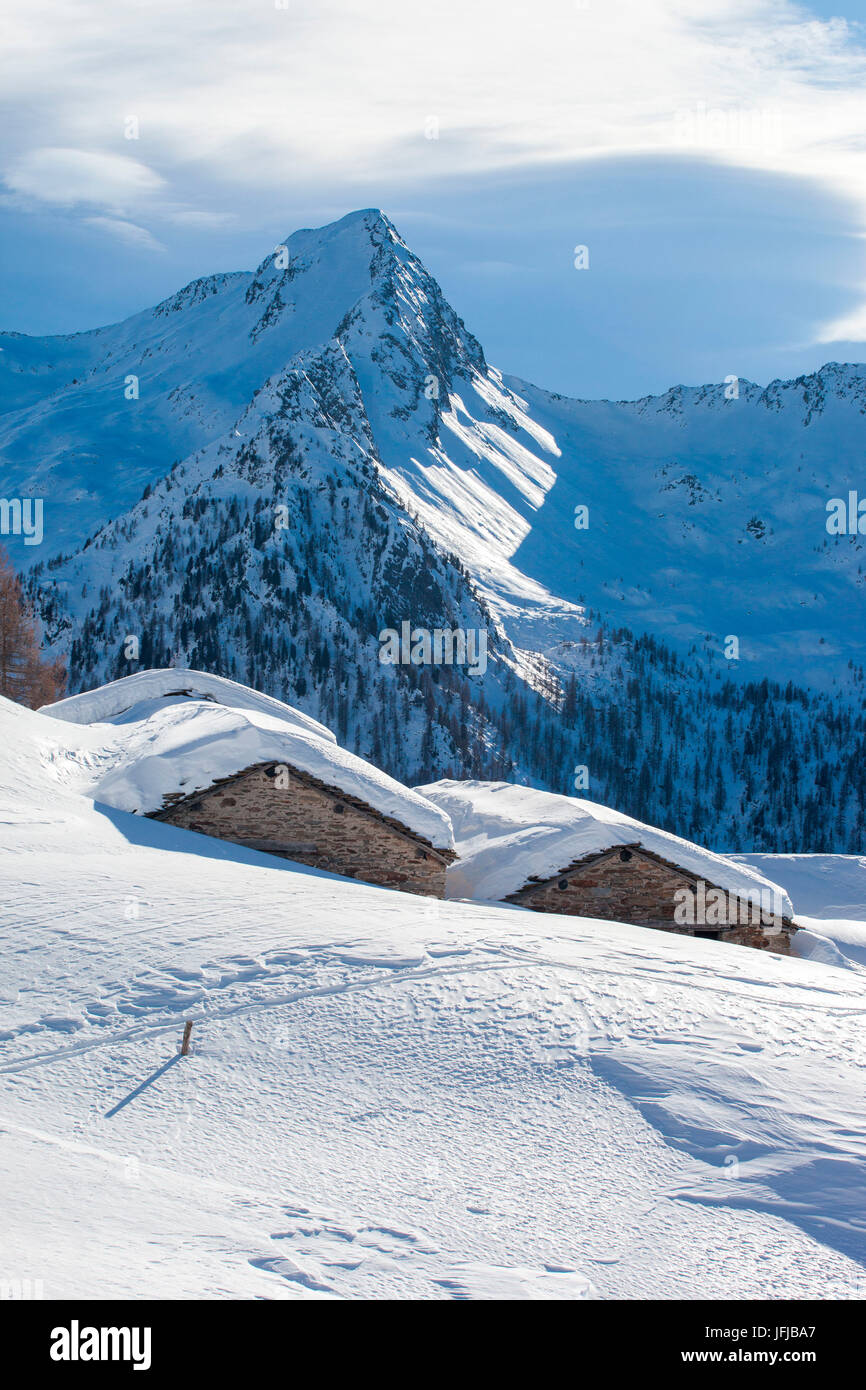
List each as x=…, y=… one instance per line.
x=264, y=472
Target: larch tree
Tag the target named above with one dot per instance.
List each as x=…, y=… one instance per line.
x=24, y=676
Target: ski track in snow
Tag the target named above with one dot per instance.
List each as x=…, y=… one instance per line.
x=322, y=1253
x=392, y=1097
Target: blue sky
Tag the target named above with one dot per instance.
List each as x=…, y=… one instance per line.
x=711, y=154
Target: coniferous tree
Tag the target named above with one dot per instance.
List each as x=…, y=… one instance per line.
x=24, y=676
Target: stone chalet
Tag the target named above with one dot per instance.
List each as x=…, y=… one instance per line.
x=312, y=823
x=560, y=854
x=211, y=756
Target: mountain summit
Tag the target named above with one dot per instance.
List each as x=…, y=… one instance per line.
x=88, y=420
x=268, y=469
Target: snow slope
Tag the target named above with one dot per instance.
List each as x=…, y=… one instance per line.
x=829, y=896
x=507, y=834
x=707, y=516
x=820, y=885
x=391, y=1096
x=181, y=731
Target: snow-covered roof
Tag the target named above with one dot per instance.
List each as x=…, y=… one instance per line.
x=507, y=834
x=181, y=731
x=108, y=701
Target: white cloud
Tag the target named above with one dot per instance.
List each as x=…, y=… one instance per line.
x=242, y=96
x=127, y=232
x=70, y=176
x=849, y=329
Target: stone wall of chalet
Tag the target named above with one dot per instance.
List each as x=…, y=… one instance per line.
x=313, y=825
x=632, y=886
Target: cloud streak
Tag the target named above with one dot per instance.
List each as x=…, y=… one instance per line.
x=129, y=233
x=257, y=93
x=240, y=98
x=69, y=176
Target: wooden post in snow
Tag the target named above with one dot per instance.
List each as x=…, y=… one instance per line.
x=184, y=1047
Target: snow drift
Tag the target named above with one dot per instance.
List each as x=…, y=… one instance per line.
x=829, y=896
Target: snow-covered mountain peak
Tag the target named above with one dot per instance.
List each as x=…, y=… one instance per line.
x=88, y=421
x=363, y=232
x=804, y=397
x=334, y=265
x=197, y=291
x=380, y=298
x=316, y=443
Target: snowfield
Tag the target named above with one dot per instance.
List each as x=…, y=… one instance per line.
x=829, y=895
x=390, y=1096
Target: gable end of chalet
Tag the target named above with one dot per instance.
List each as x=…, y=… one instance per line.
x=302, y=818
x=628, y=883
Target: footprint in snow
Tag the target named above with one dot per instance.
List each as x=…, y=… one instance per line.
x=292, y=1272
x=63, y=1023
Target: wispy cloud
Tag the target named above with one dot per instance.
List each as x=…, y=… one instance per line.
x=851, y=328
x=127, y=232
x=255, y=93
x=71, y=176
x=239, y=98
